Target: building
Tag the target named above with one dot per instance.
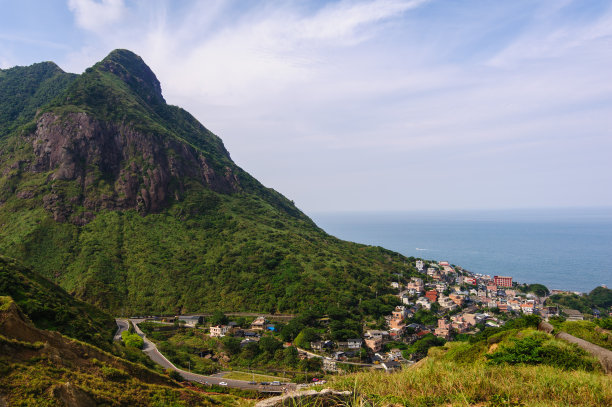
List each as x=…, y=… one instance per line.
x=330, y=365
x=432, y=295
x=443, y=329
x=573, y=315
x=419, y=265
x=259, y=324
x=355, y=343
x=374, y=343
x=501, y=281
x=218, y=331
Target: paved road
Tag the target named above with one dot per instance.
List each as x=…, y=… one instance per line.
x=151, y=350
x=122, y=325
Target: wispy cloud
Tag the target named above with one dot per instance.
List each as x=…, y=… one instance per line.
x=375, y=92
x=95, y=15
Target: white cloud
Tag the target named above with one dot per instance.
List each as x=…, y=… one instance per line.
x=365, y=92
x=93, y=15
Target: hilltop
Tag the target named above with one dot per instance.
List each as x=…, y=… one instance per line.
x=131, y=204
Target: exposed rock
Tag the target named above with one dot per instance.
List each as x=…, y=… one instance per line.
x=116, y=167
x=323, y=398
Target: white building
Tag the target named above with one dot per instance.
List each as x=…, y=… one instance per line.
x=219, y=330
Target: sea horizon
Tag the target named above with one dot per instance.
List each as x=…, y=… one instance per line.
x=563, y=248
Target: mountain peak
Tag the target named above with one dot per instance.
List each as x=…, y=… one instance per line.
x=132, y=70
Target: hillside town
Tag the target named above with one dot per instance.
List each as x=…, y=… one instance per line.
x=436, y=302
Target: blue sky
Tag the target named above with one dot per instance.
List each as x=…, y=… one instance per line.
x=369, y=105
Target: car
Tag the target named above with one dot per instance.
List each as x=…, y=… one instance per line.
x=252, y=382
x=223, y=384
x=264, y=383
x=275, y=383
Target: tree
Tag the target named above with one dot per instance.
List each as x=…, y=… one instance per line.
x=269, y=344
x=290, y=331
x=291, y=357
x=231, y=345
x=306, y=336
x=250, y=350
x=132, y=340
x=218, y=318
x=539, y=289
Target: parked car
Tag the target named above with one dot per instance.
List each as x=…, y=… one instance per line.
x=264, y=383
x=223, y=384
x=252, y=382
x=275, y=383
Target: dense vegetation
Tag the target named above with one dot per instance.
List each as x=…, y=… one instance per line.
x=25, y=89
x=600, y=298
x=62, y=371
x=250, y=249
x=50, y=307
x=192, y=349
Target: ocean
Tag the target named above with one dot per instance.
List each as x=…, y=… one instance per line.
x=567, y=249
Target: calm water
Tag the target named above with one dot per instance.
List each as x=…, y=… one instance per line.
x=563, y=249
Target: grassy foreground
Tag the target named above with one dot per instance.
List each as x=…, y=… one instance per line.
x=443, y=383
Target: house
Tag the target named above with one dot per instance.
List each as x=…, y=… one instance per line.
x=259, y=324
x=246, y=341
x=316, y=345
x=339, y=355
x=373, y=333
x=573, y=315
x=330, y=365
x=374, y=343
x=457, y=299
x=446, y=303
x=355, y=343
x=415, y=284
x=419, y=265
x=395, y=284
x=443, y=329
x=432, y=295
x=219, y=331
x=424, y=302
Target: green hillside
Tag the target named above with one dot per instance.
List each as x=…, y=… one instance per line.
x=49, y=307
x=42, y=368
x=132, y=205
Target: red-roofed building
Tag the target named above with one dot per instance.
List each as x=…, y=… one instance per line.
x=432, y=295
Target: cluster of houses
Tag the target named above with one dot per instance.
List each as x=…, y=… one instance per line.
x=453, y=289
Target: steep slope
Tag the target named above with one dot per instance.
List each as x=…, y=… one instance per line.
x=39, y=367
x=133, y=205
x=51, y=308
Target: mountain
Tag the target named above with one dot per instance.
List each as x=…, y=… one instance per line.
x=131, y=204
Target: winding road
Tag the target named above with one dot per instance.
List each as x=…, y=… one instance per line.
x=155, y=355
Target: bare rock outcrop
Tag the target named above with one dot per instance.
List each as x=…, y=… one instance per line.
x=114, y=166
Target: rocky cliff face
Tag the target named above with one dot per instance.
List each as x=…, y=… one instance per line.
x=116, y=167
